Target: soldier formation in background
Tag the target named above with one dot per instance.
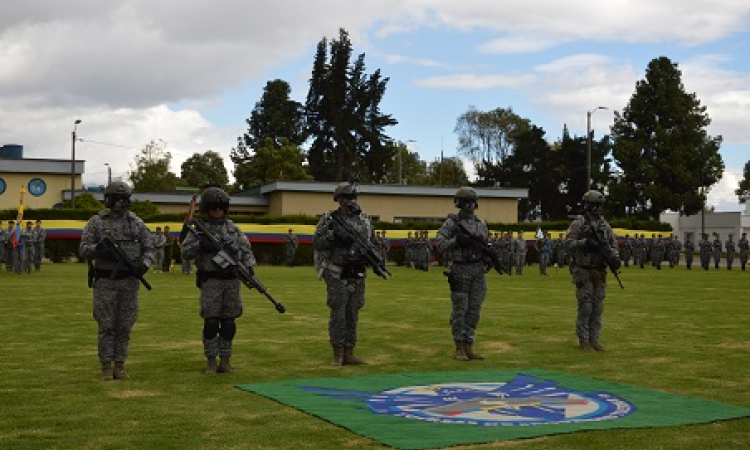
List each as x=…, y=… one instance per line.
x=116, y=288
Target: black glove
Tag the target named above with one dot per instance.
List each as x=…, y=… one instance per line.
x=464, y=240
x=103, y=252
x=231, y=247
x=250, y=270
x=207, y=246
x=616, y=264
x=141, y=269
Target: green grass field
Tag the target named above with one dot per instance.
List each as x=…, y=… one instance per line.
x=679, y=331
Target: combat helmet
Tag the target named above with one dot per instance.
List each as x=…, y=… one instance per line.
x=117, y=194
x=465, y=198
x=214, y=198
x=593, y=201
x=344, y=190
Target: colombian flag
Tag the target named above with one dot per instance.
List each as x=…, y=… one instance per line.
x=19, y=218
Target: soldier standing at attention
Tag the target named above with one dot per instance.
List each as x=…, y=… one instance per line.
x=168, y=243
x=2, y=243
x=115, y=288
x=343, y=271
x=544, y=247
x=705, y=251
x=466, y=274
x=291, y=247
x=386, y=245
x=10, y=254
x=657, y=252
x=675, y=248
x=590, y=268
x=716, y=248
x=29, y=245
x=730, y=247
x=642, y=250
x=159, y=243
x=40, y=238
x=220, y=295
x=689, y=249
x=627, y=249
x=506, y=253
x=744, y=247
x=519, y=252
x=408, y=250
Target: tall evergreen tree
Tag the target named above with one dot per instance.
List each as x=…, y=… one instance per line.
x=743, y=189
x=662, y=147
x=344, y=118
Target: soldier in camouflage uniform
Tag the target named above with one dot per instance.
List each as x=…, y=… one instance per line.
x=729, y=245
x=657, y=252
x=29, y=245
x=385, y=245
x=642, y=249
x=544, y=248
x=115, y=288
x=466, y=274
x=519, y=253
x=291, y=247
x=627, y=250
x=40, y=238
x=689, y=249
x=675, y=248
x=408, y=250
x=2, y=243
x=10, y=254
x=590, y=268
x=716, y=250
x=744, y=247
x=506, y=252
x=705, y=251
x=343, y=270
x=220, y=287
x=159, y=242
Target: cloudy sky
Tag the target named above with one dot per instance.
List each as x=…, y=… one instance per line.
x=188, y=73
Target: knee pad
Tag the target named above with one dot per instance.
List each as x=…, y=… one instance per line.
x=211, y=327
x=228, y=329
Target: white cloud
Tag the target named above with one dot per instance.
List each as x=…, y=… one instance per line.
x=471, y=81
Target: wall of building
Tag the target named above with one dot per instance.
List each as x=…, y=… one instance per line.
x=54, y=184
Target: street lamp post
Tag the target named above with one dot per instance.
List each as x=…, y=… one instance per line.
x=588, y=145
x=73, y=165
x=109, y=173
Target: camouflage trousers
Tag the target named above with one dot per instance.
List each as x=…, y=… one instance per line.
x=345, y=298
x=220, y=299
x=591, y=286
x=717, y=258
x=115, y=311
x=544, y=259
x=689, y=259
x=519, y=262
x=291, y=252
x=468, y=290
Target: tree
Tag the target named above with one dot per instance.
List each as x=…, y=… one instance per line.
x=204, y=168
x=487, y=138
x=151, y=171
x=85, y=200
x=343, y=115
x=412, y=169
x=446, y=172
x=662, y=147
x=272, y=161
x=743, y=189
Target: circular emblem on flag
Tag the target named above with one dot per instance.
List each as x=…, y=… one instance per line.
x=37, y=187
x=519, y=402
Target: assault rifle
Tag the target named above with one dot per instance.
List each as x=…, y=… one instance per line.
x=223, y=259
x=604, y=252
x=486, y=249
x=363, y=248
x=123, y=260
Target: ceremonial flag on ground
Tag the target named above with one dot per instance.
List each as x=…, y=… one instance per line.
x=19, y=218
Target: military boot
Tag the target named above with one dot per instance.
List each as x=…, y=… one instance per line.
x=461, y=351
x=338, y=356
x=468, y=348
x=585, y=345
x=107, y=371
x=119, y=371
x=350, y=359
x=211, y=367
x=597, y=346
x=224, y=366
